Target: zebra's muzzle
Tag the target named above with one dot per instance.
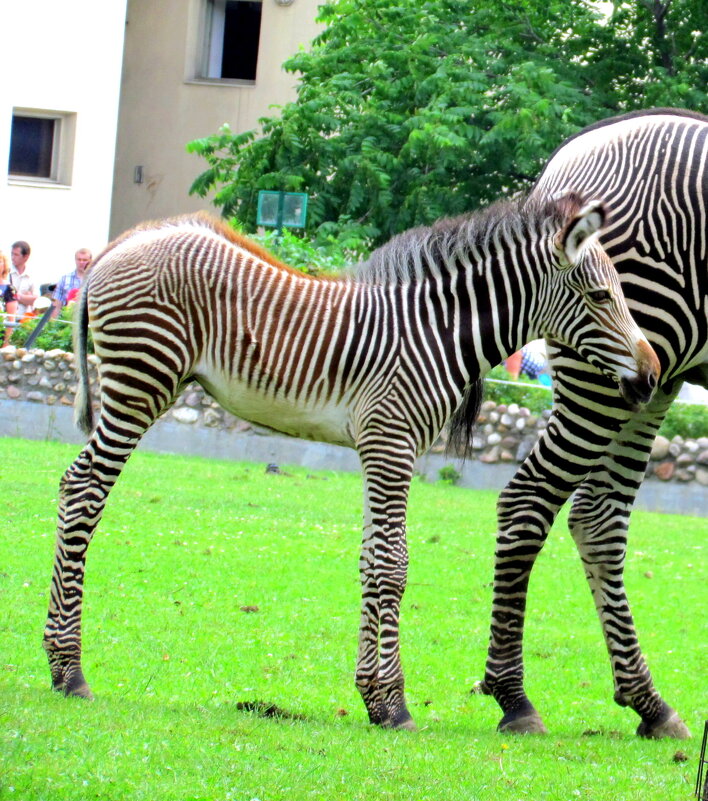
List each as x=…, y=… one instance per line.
x=637, y=391
x=639, y=388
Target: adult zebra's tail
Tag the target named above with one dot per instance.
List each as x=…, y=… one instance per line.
x=459, y=439
x=83, y=412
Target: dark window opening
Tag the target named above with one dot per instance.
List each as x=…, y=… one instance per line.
x=234, y=30
x=31, y=146
x=242, y=29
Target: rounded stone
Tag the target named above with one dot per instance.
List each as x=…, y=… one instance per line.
x=185, y=415
x=212, y=418
x=664, y=471
x=525, y=448
x=660, y=449
x=491, y=456
x=675, y=448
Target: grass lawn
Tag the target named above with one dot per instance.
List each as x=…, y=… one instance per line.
x=186, y=544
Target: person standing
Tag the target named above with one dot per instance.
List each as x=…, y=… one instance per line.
x=8, y=301
x=69, y=284
x=21, y=280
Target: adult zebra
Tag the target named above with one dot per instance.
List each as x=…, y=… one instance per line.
x=652, y=168
x=379, y=363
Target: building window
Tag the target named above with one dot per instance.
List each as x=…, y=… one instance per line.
x=41, y=146
x=232, y=31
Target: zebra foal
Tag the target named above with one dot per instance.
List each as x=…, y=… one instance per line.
x=652, y=169
x=378, y=363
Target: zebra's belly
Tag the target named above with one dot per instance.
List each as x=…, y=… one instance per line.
x=322, y=421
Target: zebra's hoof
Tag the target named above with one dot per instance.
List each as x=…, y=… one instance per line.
x=76, y=686
x=406, y=725
x=82, y=691
x=401, y=721
x=670, y=725
x=529, y=723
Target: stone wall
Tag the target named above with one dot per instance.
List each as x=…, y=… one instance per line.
x=504, y=434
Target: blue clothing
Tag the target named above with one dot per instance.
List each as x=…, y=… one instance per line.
x=65, y=285
x=533, y=364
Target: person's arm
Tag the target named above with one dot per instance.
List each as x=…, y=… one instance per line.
x=59, y=298
x=513, y=364
x=10, y=317
x=28, y=298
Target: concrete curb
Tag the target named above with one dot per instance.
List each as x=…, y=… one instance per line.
x=38, y=421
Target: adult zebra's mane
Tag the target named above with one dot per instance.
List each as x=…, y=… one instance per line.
x=416, y=254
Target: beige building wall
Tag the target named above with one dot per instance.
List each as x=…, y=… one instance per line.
x=163, y=105
x=63, y=61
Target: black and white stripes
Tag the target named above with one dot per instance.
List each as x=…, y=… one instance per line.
x=378, y=362
x=652, y=169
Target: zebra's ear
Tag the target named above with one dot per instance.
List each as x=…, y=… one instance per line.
x=588, y=221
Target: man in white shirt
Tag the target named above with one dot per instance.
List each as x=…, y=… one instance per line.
x=21, y=280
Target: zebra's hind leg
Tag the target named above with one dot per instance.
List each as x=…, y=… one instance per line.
x=383, y=569
x=83, y=492
x=599, y=522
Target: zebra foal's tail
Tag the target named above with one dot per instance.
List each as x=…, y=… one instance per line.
x=83, y=412
x=461, y=424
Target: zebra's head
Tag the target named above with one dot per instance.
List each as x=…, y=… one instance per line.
x=587, y=309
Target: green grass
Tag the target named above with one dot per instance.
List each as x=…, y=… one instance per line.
x=185, y=543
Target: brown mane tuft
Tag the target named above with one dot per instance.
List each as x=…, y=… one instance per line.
x=203, y=219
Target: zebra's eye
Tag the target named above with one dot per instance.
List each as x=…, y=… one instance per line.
x=600, y=295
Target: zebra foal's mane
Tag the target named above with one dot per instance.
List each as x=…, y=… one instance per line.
x=416, y=254
x=199, y=221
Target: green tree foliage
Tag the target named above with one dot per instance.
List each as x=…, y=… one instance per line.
x=412, y=110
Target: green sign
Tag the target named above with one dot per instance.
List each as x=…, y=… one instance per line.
x=282, y=209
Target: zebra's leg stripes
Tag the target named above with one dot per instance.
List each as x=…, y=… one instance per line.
x=526, y=509
x=383, y=569
x=83, y=492
x=599, y=522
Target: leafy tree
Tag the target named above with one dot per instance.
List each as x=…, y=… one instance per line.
x=409, y=111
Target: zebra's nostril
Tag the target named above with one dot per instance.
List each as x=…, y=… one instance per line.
x=652, y=380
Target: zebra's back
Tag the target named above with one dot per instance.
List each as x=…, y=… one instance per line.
x=271, y=345
x=652, y=170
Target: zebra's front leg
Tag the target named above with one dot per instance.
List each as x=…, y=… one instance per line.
x=82, y=497
x=516, y=551
x=383, y=569
x=526, y=510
